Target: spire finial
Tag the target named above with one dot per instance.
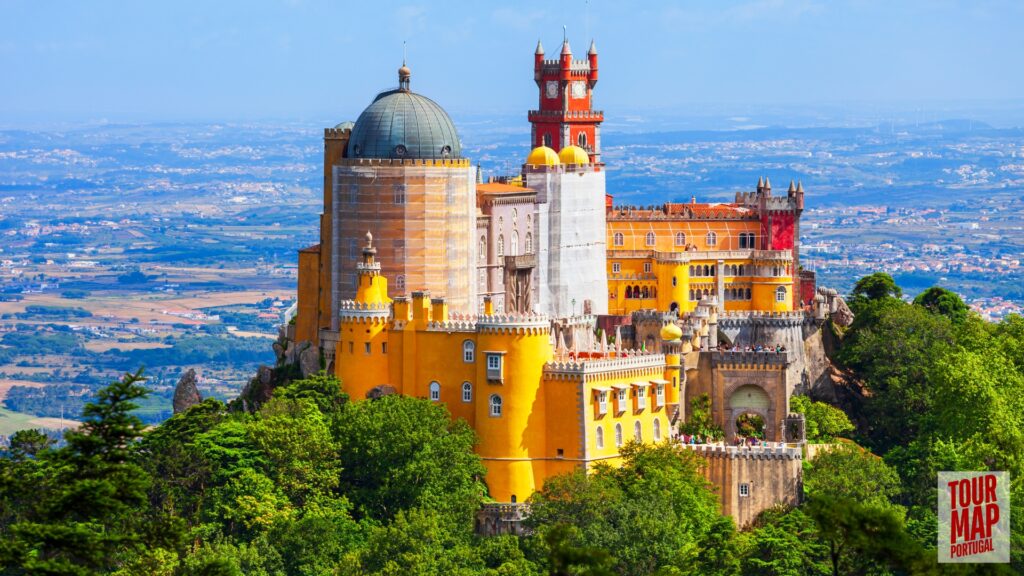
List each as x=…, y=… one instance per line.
x=540, y=48
x=565, y=34
x=593, y=47
x=405, y=52
x=369, y=239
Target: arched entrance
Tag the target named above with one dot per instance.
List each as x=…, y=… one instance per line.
x=746, y=405
x=674, y=308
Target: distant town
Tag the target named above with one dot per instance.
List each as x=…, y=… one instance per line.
x=174, y=246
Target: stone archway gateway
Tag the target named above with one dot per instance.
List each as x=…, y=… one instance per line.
x=749, y=399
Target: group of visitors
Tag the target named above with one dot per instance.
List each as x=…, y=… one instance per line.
x=777, y=348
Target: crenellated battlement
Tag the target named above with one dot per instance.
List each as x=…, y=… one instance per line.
x=407, y=162
x=775, y=451
x=752, y=360
x=624, y=361
x=515, y=324
x=352, y=310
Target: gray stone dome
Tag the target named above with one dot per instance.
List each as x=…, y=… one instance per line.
x=406, y=125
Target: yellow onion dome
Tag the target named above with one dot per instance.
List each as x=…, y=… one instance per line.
x=542, y=156
x=573, y=155
x=670, y=332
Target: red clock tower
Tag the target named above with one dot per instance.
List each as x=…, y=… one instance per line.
x=566, y=116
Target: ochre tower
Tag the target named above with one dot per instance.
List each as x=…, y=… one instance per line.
x=565, y=115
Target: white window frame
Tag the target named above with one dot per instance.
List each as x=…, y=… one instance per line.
x=398, y=192
x=638, y=431
x=467, y=392
x=602, y=402
x=744, y=490
x=435, y=391
x=650, y=239
x=680, y=239
x=495, y=368
x=641, y=397
x=616, y=268
x=621, y=400
x=659, y=395
x=712, y=239
x=657, y=429
x=618, y=435
x=647, y=267
x=781, y=293
x=495, y=404
x=599, y=437
x=468, y=351
x=618, y=239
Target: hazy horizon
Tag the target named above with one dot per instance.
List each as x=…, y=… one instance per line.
x=316, y=61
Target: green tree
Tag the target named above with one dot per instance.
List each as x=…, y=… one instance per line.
x=849, y=471
x=654, y=512
x=784, y=542
x=86, y=518
x=892, y=346
x=824, y=423
x=944, y=302
x=401, y=453
x=877, y=286
x=699, y=421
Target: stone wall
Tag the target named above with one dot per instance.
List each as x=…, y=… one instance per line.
x=772, y=476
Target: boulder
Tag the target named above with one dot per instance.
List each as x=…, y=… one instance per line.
x=186, y=393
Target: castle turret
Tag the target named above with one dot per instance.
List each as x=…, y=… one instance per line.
x=361, y=350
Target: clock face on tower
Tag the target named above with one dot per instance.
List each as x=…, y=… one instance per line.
x=551, y=89
x=579, y=89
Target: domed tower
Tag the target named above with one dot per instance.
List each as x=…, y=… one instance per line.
x=403, y=177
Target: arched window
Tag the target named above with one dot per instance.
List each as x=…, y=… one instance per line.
x=674, y=281
x=637, y=432
x=483, y=249
x=740, y=272
x=643, y=292
x=467, y=392
x=515, y=217
x=691, y=295
x=707, y=270
x=582, y=139
x=780, y=294
x=501, y=246
x=513, y=249
x=435, y=391
x=600, y=436
x=618, y=239
x=636, y=291
x=680, y=239
x=469, y=351
x=495, y=405
x=618, y=435
x=654, y=291
x=657, y=429
x=629, y=291
x=650, y=239
x=529, y=243
x=712, y=239
x=692, y=272
x=547, y=140
x=400, y=282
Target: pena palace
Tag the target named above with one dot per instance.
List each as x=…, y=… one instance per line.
x=556, y=323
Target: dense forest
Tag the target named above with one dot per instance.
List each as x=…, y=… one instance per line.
x=310, y=483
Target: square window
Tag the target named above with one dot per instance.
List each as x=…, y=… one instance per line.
x=647, y=267
x=616, y=267
x=744, y=490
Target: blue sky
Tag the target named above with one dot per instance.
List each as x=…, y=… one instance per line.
x=309, y=60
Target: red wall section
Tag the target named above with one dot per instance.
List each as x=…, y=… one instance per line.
x=782, y=231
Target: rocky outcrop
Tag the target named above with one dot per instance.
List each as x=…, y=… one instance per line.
x=294, y=360
x=186, y=393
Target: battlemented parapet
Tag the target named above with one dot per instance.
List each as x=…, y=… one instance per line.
x=752, y=479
